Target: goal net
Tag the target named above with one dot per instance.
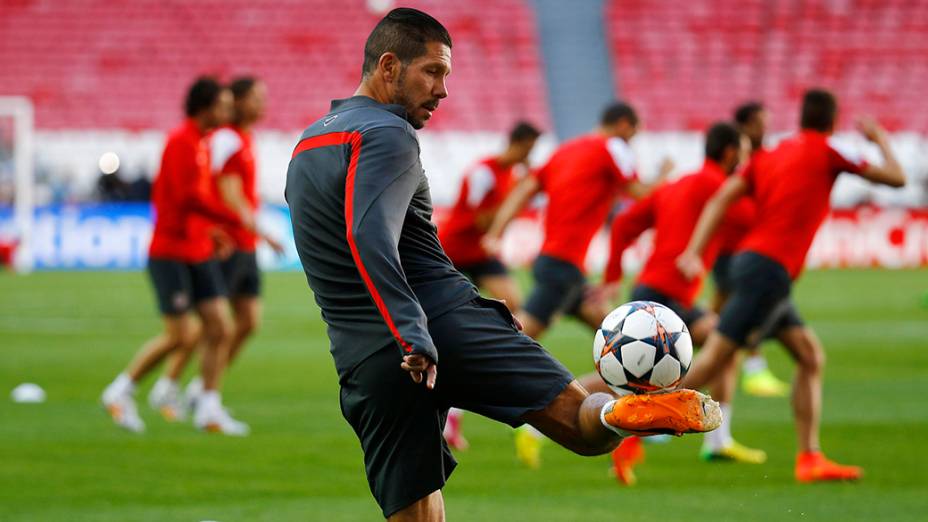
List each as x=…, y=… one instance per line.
x=16, y=182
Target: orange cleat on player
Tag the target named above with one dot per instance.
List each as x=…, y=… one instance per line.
x=813, y=466
x=675, y=412
x=625, y=457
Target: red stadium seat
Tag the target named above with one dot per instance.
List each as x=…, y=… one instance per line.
x=125, y=64
x=687, y=64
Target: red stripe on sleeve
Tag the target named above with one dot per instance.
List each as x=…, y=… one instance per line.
x=353, y=140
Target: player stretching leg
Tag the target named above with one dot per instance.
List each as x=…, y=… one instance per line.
x=582, y=179
x=181, y=265
x=482, y=190
x=396, y=308
x=672, y=210
x=791, y=186
x=233, y=162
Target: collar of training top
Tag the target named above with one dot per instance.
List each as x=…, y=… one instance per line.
x=364, y=101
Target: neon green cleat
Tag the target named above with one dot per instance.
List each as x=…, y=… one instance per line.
x=528, y=446
x=763, y=383
x=734, y=452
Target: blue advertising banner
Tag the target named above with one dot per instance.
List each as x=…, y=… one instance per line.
x=115, y=236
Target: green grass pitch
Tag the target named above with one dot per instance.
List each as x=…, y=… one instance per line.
x=64, y=461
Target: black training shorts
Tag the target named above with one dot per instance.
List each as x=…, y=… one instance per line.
x=241, y=274
x=179, y=285
x=759, y=305
x=559, y=289
x=689, y=315
x=721, y=273
x=491, y=267
x=485, y=366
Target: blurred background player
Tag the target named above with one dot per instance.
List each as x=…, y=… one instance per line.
x=182, y=265
x=791, y=186
x=234, y=168
x=482, y=190
x=756, y=377
x=672, y=210
x=583, y=180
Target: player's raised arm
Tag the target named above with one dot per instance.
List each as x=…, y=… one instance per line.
x=690, y=261
x=523, y=192
x=890, y=173
x=385, y=180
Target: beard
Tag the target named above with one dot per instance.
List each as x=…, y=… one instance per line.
x=402, y=98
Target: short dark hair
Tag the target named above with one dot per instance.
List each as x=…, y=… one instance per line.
x=241, y=86
x=523, y=131
x=746, y=112
x=819, y=110
x=202, y=95
x=405, y=33
x=615, y=112
x=721, y=135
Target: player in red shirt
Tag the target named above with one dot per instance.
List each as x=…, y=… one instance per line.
x=756, y=377
x=791, y=186
x=483, y=189
x=583, y=180
x=183, y=271
x=672, y=211
x=233, y=165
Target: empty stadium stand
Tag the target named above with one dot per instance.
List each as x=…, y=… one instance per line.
x=686, y=64
x=106, y=64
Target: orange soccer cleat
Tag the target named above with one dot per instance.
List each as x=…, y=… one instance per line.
x=625, y=457
x=813, y=466
x=675, y=412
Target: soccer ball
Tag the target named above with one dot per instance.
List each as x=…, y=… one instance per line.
x=642, y=347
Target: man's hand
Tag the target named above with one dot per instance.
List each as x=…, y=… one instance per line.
x=275, y=245
x=419, y=365
x=491, y=244
x=871, y=129
x=690, y=265
x=663, y=171
x=603, y=295
x=223, y=243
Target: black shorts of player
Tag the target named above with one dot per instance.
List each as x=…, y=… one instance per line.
x=759, y=305
x=491, y=267
x=559, y=289
x=179, y=286
x=689, y=315
x=241, y=274
x=721, y=273
x=485, y=366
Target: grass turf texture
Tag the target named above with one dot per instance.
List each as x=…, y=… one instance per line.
x=64, y=460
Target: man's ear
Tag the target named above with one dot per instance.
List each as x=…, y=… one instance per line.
x=389, y=65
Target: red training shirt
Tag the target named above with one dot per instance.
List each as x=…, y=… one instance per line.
x=184, y=199
x=673, y=210
x=582, y=180
x=232, y=155
x=483, y=190
x=792, y=186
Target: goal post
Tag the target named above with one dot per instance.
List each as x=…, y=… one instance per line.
x=19, y=109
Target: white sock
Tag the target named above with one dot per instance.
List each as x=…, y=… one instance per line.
x=754, y=364
x=195, y=386
x=721, y=436
x=610, y=427
x=210, y=400
x=123, y=384
x=165, y=383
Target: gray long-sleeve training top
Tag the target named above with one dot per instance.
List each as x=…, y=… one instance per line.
x=361, y=212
